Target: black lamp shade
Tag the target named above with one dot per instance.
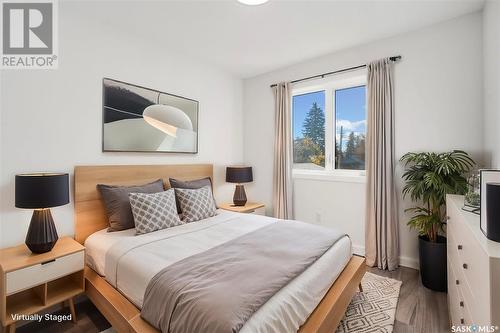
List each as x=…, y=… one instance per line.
x=239, y=175
x=42, y=190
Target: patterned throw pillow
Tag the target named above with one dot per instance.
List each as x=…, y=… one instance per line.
x=154, y=211
x=196, y=204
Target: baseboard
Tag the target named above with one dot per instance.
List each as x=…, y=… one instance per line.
x=409, y=262
x=403, y=261
x=358, y=249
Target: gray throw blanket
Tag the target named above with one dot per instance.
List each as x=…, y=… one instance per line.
x=218, y=290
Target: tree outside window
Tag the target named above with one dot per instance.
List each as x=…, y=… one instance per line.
x=309, y=131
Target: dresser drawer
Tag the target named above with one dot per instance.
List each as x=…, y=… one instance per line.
x=460, y=313
x=452, y=252
x=455, y=261
x=453, y=297
x=472, y=262
x=37, y=274
x=463, y=305
x=468, y=319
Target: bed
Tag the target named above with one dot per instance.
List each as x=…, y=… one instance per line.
x=117, y=275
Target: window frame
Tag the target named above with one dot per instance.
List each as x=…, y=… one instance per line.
x=329, y=86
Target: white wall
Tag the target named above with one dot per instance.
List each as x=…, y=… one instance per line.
x=438, y=92
x=1, y=155
x=491, y=43
x=51, y=120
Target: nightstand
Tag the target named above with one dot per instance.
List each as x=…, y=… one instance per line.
x=250, y=208
x=32, y=282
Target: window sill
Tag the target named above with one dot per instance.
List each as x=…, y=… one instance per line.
x=338, y=176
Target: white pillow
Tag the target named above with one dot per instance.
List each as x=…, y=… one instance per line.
x=196, y=204
x=154, y=211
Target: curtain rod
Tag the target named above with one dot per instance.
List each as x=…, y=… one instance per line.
x=320, y=76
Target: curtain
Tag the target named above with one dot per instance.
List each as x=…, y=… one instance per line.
x=381, y=236
x=282, y=180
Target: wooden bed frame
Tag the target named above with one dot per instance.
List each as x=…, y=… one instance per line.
x=90, y=217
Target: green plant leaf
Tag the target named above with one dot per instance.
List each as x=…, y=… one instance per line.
x=429, y=177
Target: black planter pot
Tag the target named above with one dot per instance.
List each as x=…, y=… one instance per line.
x=433, y=268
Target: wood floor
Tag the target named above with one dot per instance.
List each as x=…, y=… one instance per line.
x=419, y=310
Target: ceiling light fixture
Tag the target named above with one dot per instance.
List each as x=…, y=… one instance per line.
x=253, y=2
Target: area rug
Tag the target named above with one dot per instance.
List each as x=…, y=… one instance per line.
x=374, y=309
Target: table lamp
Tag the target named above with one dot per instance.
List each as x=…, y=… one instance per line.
x=239, y=175
x=41, y=191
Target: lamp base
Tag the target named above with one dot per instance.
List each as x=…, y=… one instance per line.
x=239, y=197
x=42, y=233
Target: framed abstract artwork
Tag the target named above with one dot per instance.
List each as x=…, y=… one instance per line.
x=138, y=119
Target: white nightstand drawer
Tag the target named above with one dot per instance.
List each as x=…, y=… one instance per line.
x=37, y=274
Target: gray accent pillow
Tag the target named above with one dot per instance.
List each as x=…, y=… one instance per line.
x=196, y=204
x=154, y=211
x=190, y=184
x=118, y=205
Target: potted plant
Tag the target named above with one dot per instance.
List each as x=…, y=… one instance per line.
x=429, y=177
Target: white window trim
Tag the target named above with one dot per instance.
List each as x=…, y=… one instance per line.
x=329, y=85
x=345, y=176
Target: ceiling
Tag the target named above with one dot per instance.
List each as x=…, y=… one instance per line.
x=251, y=40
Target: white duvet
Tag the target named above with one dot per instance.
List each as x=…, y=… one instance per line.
x=128, y=262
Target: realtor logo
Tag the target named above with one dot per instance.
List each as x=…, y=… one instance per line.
x=28, y=34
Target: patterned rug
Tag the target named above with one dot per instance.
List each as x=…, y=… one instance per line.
x=374, y=309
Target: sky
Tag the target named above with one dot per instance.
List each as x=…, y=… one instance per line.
x=350, y=110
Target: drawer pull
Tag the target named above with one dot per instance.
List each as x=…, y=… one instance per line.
x=465, y=266
x=460, y=247
x=462, y=321
x=457, y=282
x=447, y=218
x=462, y=304
x=47, y=262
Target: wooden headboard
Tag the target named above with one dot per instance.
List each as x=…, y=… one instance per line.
x=90, y=214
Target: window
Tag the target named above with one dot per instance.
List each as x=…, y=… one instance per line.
x=350, y=128
x=309, y=131
x=329, y=125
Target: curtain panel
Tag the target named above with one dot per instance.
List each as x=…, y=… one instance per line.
x=282, y=180
x=381, y=236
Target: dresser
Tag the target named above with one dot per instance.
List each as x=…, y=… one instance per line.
x=473, y=269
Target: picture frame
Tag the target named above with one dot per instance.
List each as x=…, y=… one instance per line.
x=486, y=176
x=140, y=119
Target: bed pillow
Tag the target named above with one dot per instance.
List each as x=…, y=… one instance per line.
x=196, y=204
x=118, y=205
x=154, y=211
x=190, y=184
